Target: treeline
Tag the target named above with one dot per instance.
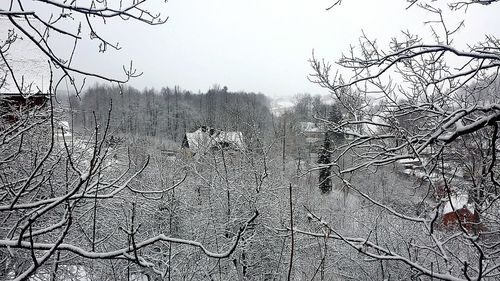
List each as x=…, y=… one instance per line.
x=170, y=112
x=311, y=108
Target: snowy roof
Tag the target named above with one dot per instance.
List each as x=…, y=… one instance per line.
x=26, y=60
x=459, y=201
x=205, y=138
x=310, y=127
x=408, y=161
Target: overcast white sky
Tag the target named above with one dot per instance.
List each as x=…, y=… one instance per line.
x=259, y=45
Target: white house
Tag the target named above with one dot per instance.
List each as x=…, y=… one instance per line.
x=206, y=138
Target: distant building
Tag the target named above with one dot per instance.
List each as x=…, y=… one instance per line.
x=315, y=132
x=13, y=105
x=460, y=211
x=312, y=132
x=30, y=68
x=27, y=61
x=206, y=138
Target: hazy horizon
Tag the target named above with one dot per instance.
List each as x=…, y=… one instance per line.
x=257, y=46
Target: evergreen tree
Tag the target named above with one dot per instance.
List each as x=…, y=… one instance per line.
x=325, y=155
x=325, y=151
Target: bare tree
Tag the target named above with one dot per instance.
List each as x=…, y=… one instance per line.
x=66, y=199
x=435, y=105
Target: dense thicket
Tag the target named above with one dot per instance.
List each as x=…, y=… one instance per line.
x=170, y=112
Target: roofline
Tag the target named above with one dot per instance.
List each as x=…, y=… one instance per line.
x=24, y=95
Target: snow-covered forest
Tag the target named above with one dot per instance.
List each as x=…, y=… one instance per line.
x=392, y=175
